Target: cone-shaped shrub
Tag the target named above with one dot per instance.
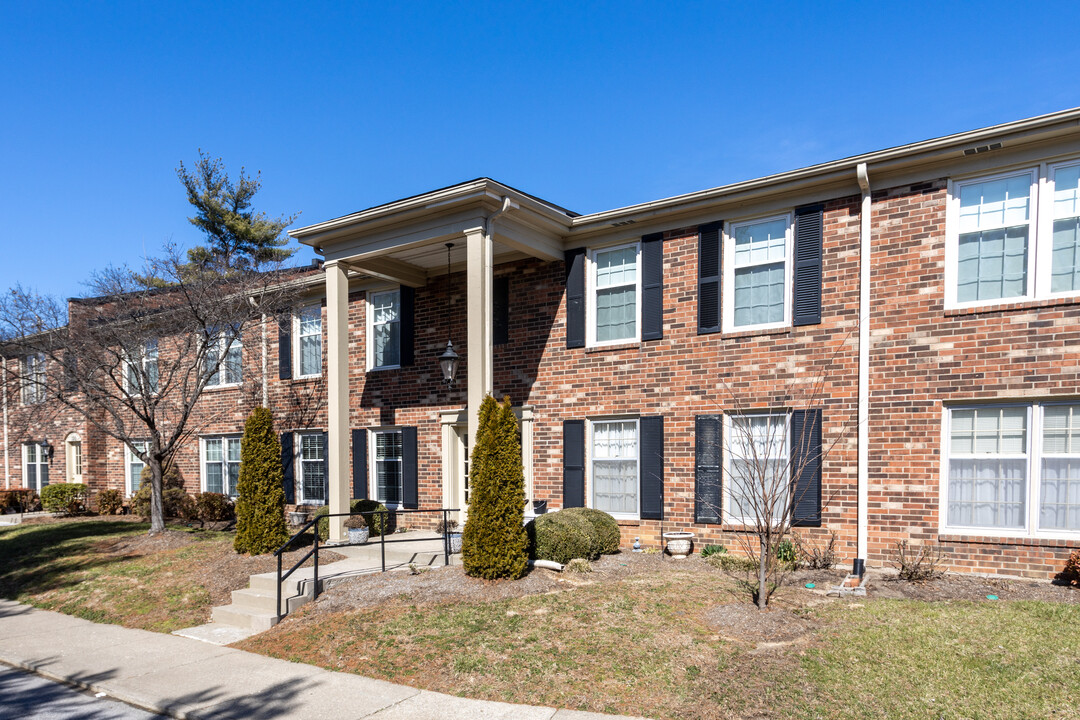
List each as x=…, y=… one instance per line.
x=494, y=543
x=260, y=502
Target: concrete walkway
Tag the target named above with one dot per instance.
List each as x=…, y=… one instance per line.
x=185, y=678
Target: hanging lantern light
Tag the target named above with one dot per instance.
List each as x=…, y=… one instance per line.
x=448, y=360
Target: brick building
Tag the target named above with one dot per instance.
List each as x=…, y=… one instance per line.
x=916, y=307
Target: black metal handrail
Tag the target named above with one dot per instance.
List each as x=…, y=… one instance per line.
x=313, y=523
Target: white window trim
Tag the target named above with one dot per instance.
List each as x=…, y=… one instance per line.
x=590, y=296
x=225, y=454
x=727, y=456
x=590, y=458
x=1044, y=252
x=369, y=324
x=38, y=463
x=373, y=478
x=129, y=457
x=727, y=302
x=71, y=442
x=296, y=349
x=298, y=468
x=144, y=357
x=1033, y=497
x=32, y=392
x=239, y=345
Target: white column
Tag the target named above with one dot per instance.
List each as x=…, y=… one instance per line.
x=478, y=319
x=337, y=376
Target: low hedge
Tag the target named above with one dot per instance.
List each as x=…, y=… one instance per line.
x=110, y=502
x=174, y=501
x=379, y=524
x=214, y=507
x=19, y=500
x=562, y=537
x=68, y=498
x=605, y=528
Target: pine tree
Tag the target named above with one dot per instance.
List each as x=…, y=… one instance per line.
x=260, y=502
x=494, y=543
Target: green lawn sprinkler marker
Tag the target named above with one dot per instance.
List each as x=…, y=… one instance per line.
x=810, y=586
x=991, y=597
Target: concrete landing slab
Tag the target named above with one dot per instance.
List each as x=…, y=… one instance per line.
x=216, y=633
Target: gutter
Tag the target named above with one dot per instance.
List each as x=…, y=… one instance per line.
x=864, y=372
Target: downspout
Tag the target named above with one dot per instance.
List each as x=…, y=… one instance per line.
x=489, y=279
x=265, y=389
x=864, y=372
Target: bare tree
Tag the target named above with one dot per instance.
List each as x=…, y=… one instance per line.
x=772, y=473
x=134, y=360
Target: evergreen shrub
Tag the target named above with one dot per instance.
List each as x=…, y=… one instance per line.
x=494, y=543
x=67, y=498
x=260, y=501
x=214, y=507
x=110, y=502
x=175, y=503
x=605, y=528
x=562, y=536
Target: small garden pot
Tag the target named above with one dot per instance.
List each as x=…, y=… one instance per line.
x=539, y=507
x=455, y=542
x=297, y=518
x=679, y=544
x=359, y=536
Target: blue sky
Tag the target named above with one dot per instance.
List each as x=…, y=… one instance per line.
x=588, y=105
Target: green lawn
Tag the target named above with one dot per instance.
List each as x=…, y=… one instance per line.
x=642, y=646
x=74, y=567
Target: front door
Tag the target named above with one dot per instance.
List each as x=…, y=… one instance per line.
x=459, y=472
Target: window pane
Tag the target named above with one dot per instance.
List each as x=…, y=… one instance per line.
x=314, y=481
x=213, y=450
x=761, y=242
x=989, y=431
x=1060, y=502
x=388, y=467
x=1066, y=256
x=387, y=343
x=232, y=364
x=311, y=321
x=616, y=313
x=388, y=445
x=616, y=267
x=987, y=492
x=213, y=477
x=311, y=355
x=235, y=445
x=384, y=307
x=234, y=477
x=995, y=203
x=759, y=294
x=1067, y=192
x=615, y=467
x=992, y=264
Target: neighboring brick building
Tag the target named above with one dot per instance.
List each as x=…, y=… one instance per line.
x=628, y=339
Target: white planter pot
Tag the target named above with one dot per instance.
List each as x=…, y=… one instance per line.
x=296, y=519
x=359, y=536
x=679, y=544
x=455, y=542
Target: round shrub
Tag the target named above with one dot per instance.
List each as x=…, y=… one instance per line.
x=110, y=502
x=561, y=537
x=68, y=498
x=174, y=502
x=377, y=523
x=214, y=507
x=605, y=528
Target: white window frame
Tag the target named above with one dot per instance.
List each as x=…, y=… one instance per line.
x=144, y=360
x=41, y=460
x=590, y=453
x=298, y=474
x=217, y=344
x=373, y=474
x=727, y=302
x=1044, y=252
x=298, y=346
x=1033, y=496
x=728, y=455
x=370, y=327
x=129, y=459
x=33, y=390
x=590, y=296
x=224, y=461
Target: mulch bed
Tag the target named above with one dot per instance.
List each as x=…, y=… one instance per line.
x=959, y=586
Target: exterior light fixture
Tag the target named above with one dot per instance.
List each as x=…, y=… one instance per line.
x=448, y=361
x=46, y=449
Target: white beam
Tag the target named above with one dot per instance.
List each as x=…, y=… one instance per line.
x=337, y=375
x=388, y=268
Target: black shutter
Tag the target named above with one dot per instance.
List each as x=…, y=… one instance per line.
x=806, y=292
x=709, y=277
x=71, y=372
x=500, y=311
x=652, y=467
x=359, y=464
x=410, y=485
x=408, y=319
x=652, y=286
x=707, y=469
x=806, y=456
x=573, y=453
x=575, y=298
x=288, y=478
x=284, y=344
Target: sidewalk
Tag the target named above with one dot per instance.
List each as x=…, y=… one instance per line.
x=186, y=678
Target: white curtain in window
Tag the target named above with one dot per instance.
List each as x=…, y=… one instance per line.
x=988, y=467
x=615, y=470
x=758, y=466
x=1060, y=491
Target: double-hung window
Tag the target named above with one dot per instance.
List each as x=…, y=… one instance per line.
x=1014, y=236
x=221, y=464
x=614, y=472
x=134, y=466
x=386, y=459
x=35, y=466
x=312, y=459
x=33, y=379
x=384, y=329
x=1012, y=470
x=756, y=272
x=758, y=469
x=143, y=369
x=223, y=358
x=309, y=341
x=614, y=306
